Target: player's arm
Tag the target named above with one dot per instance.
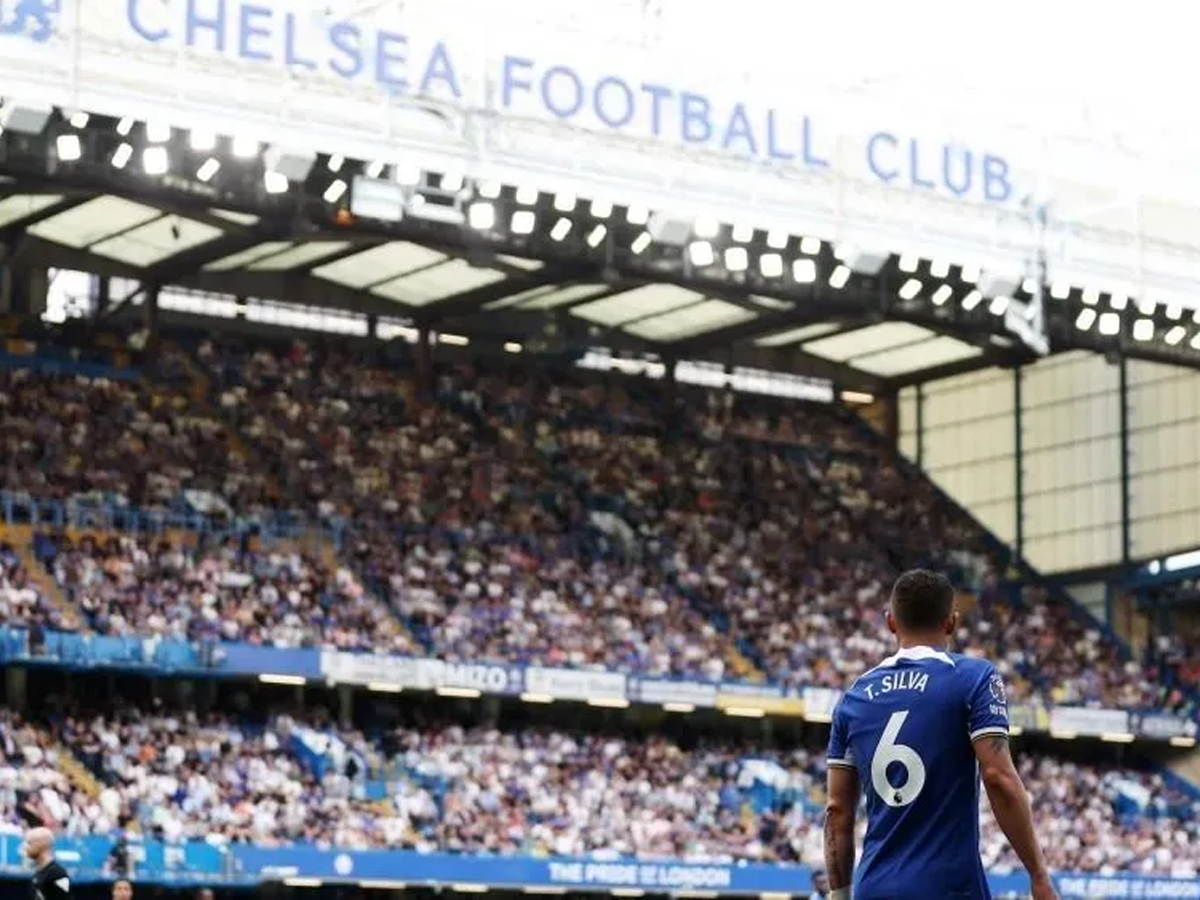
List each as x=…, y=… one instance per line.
x=1010, y=805
x=840, y=806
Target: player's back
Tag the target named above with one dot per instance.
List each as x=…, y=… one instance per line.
x=907, y=727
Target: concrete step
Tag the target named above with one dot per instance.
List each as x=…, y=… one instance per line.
x=21, y=538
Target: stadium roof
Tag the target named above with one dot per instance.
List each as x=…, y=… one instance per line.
x=543, y=271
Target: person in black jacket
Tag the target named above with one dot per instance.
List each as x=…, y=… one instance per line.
x=50, y=880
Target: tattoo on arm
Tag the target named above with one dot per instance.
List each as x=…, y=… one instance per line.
x=998, y=745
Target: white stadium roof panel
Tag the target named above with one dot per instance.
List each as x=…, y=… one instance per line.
x=913, y=357
x=865, y=341
x=245, y=257
x=521, y=262
x=155, y=241
x=690, y=320
x=238, y=218
x=433, y=283
x=570, y=294
x=640, y=303
x=299, y=255
x=797, y=335
x=22, y=206
x=379, y=264
x=94, y=221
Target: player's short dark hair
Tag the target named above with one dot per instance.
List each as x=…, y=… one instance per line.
x=922, y=599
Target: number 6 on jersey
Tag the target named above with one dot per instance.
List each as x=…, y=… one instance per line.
x=890, y=751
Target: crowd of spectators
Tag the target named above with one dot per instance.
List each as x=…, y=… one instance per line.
x=555, y=517
x=1103, y=819
x=277, y=596
x=530, y=792
x=118, y=441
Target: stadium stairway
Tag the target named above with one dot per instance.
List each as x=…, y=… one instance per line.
x=21, y=539
x=77, y=773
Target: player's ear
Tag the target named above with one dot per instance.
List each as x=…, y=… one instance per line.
x=891, y=622
x=952, y=622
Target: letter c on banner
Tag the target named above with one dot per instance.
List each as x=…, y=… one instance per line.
x=133, y=14
x=881, y=137
x=549, y=97
x=626, y=93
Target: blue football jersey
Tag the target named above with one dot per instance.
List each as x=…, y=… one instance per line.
x=907, y=727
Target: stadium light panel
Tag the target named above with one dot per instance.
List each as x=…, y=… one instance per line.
x=80, y=120
x=158, y=132
x=208, y=169
x=999, y=305
x=1146, y=306
x=244, y=147
x=810, y=245
x=637, y=215
x=560, y=230
x=742, y=233
x=701, y=253
x=972, y=299
x=1118, y=302
x=939, y=268
x=1174, y=335
x=408, y=175
x=527, y=196
x=69, y=148
x=375, y=168
x=600, y=209
x=1030, y=286
x=454, y=340
x=564, y=201
x=706, y=228
x=203, y=141
x=596, y=236
x=777, y=239
x=489, y=189
x=335, y=163
x=970, y=273
x=523, y=222
x=1195, y=341
x=1174, y=310
x=481, y=216
x=909, y=262
x=1060, y=290
x=335, y=191
x=1091, y=296
x=452, y=182
x=120, y=158
x=274, y=182
x=1110, y=324
x=1086, y=319
x=942, y=294
x=910, y=289
x=640, y=243
x=804, y=271
x=1196, y=316
x=125, y=126
x=737, y=259
x=840, y=276
x=512, y=347
x=156, y=161
x=771, y=265
x=1143, y=330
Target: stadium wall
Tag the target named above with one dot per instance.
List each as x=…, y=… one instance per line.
x=1073, y=462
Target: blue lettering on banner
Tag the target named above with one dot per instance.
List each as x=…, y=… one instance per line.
x=272, y=32
x=198, y=862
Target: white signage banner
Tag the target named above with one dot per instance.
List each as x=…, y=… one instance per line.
x=534, y=102
x=575, y=684
x=1083, y=720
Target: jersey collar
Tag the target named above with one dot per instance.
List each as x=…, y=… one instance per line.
x=915, y=654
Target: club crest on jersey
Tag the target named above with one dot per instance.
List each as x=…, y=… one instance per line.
x=996, y=686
